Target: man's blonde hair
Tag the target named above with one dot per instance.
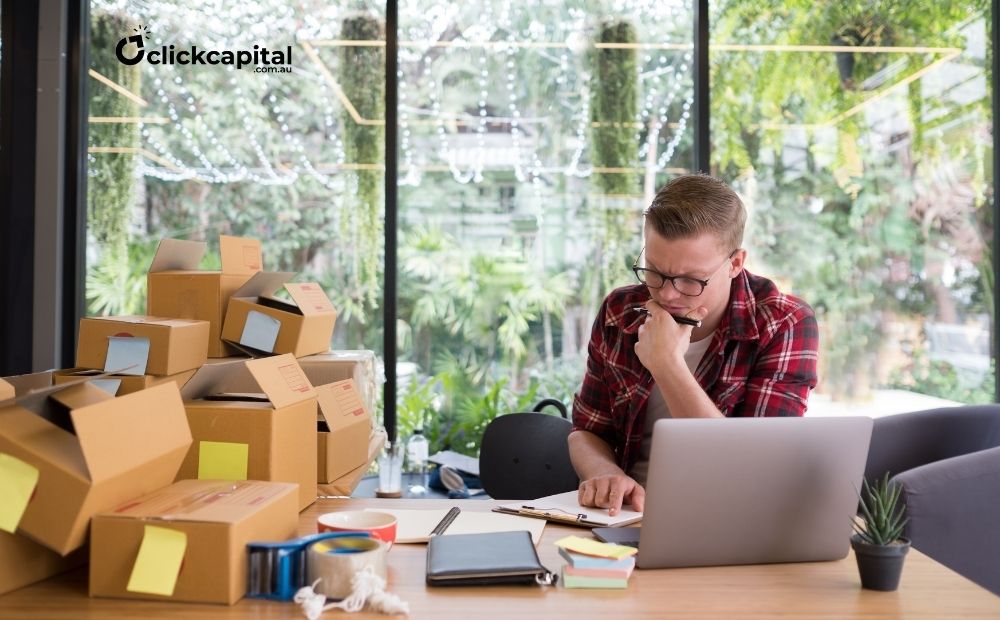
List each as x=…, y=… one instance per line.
x=694, y=204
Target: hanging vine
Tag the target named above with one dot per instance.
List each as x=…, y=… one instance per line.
x=614, y=107
x=111, y=176
x=363, y=80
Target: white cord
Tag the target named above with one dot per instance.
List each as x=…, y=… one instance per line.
x=366, y=586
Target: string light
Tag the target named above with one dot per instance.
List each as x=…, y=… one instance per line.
x=193, y=132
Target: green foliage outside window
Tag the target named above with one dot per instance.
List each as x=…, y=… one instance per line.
x=111, y=176
x=363, y=82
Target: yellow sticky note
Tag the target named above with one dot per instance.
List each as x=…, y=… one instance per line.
x=220, y=460
x=17, y=483
x=587, y=546
x=158, y=562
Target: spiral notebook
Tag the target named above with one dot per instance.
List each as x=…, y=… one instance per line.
x=564, y=508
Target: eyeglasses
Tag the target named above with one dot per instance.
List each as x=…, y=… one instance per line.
x=685, y=285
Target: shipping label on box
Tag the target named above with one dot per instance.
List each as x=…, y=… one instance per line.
x=91, y=451
x=253, y=419
x=139, y=345
x=360, y=365
x=187, y=542
x=343, y=432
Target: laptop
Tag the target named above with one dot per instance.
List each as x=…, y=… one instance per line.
x=749, y=491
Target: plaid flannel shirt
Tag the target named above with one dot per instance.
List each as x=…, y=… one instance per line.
x=761, y=362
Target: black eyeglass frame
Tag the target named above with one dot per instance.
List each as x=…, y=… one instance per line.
x=636, y=269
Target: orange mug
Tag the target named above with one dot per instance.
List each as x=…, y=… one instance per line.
x=379, y=525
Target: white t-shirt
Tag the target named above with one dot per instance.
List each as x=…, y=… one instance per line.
x=656, y=408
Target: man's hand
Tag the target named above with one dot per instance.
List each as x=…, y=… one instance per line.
x=662, y=340
x=611, y=491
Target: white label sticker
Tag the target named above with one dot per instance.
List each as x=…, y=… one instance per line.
x=127, y=356
x=110, y=386
x=260, y=331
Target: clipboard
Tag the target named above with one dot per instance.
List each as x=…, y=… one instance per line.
x=565, y=508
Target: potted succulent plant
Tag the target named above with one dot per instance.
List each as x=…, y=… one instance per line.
x=878, y=542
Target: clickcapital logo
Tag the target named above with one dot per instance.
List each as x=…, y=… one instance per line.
x=135, y=38
x=260, y=58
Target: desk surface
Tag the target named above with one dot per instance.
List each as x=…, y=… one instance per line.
x=814, y=590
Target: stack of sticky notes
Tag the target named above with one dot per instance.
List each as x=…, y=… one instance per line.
x=593, y=564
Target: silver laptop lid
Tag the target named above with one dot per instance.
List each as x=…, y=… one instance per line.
x=752, y=490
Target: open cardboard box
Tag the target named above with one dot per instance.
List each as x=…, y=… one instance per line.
x=92, y=452
x=141, y=345
x=256, y=418
x=342, y=441
x=118, y=385
x=217, y=520
x=22, y=384
x=24, y=562
x=259, y=324
x=345, y=485
x=360, y=365
x=177, y=288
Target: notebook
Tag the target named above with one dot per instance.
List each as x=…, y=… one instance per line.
x=565, y=508
x=414, y=526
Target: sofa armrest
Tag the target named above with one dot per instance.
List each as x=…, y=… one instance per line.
x=954, y=509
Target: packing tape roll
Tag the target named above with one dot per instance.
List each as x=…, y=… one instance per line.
x=336, y=560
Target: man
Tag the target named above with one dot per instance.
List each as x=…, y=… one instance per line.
x=754, y=353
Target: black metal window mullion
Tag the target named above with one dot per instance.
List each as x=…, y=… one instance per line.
x=701, y=116
x=391, y=214
x=75, y=196
x=995, y=92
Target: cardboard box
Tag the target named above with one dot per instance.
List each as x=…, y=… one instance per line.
x=256, y=418
x=6, y=390
x=177, y=288
x=342, y=440
x=24, y=562
x=360, y=365
x=146, y=345
x=345, y=485
x=92, y=452
x=259, y=324
x=22, y=384
x=118, y=385
x=217, y=521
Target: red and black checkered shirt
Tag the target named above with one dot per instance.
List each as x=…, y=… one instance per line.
x=761, y=362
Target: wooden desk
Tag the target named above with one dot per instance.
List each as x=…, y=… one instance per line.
x=815, y=590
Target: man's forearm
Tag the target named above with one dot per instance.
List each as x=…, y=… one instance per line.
x=682, y=394
x=591, y=456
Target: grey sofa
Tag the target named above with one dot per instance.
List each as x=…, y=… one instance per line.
x=948, y=463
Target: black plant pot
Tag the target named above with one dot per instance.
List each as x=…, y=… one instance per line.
x=879, y=565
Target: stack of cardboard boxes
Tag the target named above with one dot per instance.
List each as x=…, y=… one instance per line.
x=153, y=400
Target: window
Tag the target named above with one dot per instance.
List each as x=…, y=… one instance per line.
x=531, y=137
x=287, y=148
x=861, y=138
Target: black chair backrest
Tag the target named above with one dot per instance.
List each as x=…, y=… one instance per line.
x=525, y=455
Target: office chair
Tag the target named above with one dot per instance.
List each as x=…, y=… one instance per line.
x=525, y=455
x=948, y=464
